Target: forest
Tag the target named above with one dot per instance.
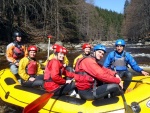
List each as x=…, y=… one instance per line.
x=136, y=21
x=73, y=21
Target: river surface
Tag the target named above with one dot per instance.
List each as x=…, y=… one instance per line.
x=139, y=52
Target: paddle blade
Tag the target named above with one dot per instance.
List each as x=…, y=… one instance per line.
x=38, y=104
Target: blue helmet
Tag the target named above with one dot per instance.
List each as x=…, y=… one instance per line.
x=99, y=47
x=120, y=42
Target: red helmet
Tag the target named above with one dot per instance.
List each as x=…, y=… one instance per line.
x=86, y=45
x=32, y=48
x=55, y=46
x=61, y=49
x=65, y=50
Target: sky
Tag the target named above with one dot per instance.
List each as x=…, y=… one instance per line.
x=114, y=5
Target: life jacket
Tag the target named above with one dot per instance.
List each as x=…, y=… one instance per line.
x=49, y=83
x=89, y=80
x=31, y=68
x=119, y=64
x=18, y=51
x=47, y=77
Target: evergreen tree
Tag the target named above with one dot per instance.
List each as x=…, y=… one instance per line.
x=126, y=5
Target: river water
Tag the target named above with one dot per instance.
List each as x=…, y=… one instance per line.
x=139, y=52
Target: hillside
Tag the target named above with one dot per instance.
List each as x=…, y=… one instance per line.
x=68, y=21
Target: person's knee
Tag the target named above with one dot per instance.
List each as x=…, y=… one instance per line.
x=69, y=68
x=114, y=89
x=129, y=75
x=38, y=83
x=14, y=71
x=112, y=86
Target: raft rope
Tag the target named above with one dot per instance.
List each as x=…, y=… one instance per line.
x=16, y=98
x=7, y=93
x=2, y=72
x=140, y=80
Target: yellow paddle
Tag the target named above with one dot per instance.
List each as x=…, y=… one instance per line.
x=128, y=109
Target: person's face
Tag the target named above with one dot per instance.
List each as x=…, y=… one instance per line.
x=119, y=48
x=87, y=51
x=32, y=54
x=60, y=56
x=99, y=54
x=54, y=50
x=18, y=38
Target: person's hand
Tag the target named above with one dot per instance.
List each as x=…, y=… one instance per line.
x=145, y=73
x=117, y=76
x=121, y=84
x=31, y=79
x=17, y=64
x=68, y=81
x=64, y=65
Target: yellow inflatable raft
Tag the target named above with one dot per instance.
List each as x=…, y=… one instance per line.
x=12, y=92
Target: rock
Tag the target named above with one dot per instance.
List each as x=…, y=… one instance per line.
x=43, y=46
x=59, y=43
x=2, y=53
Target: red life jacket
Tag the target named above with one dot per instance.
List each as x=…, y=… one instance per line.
x=50, y=83
x=18, y=51
x=32, y=67
x=83, y=80
x=47, y=70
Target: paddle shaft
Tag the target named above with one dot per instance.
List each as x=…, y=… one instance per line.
x=128, y=109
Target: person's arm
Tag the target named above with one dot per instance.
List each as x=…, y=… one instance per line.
x=75, y=60
x=91, y=67
x=25, y=50
x=66, y=61
x=55, y=72
x=108, y=60
x=68, y=72
x=134, y=65
x=113, y=73
x=22, y=69
x=45, y=63
x=109, y=71
x=130, y=60
x=39, y=70
x=9, y=54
